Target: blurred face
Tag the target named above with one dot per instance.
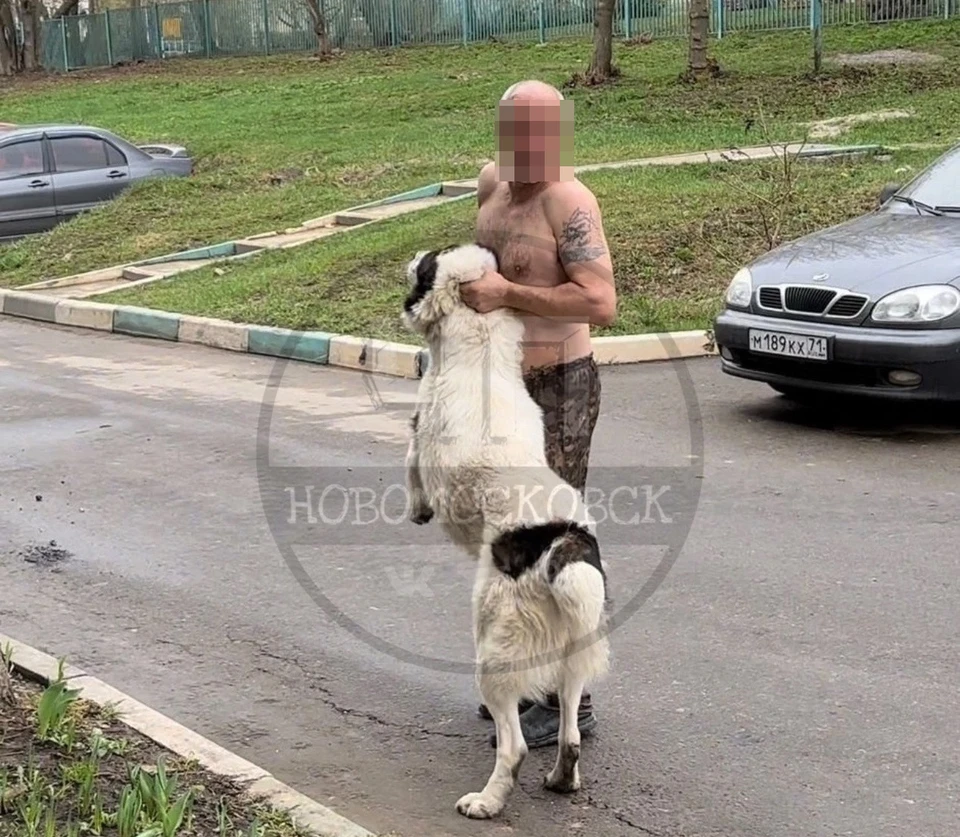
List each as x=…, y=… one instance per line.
x=534, y=140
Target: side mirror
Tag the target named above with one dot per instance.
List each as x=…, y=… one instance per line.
x=888, y=192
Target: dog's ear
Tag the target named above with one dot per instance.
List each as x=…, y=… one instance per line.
x=414, y=264
x=423, y=270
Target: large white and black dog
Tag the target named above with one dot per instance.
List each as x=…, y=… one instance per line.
x=476, y=461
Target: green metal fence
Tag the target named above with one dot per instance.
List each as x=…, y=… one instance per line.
x=208, y=28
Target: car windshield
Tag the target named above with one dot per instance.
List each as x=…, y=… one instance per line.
x=939, y=185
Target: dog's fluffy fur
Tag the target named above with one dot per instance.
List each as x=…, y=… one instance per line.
x=476, y=460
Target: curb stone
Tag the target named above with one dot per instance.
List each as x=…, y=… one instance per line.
x=343, y=351
x=76, y=312
x=144, y=322
x=311, y=346
x=187, y=744
x=29, y=306
x=375, y=355
x=219, y=334
x=643, y=348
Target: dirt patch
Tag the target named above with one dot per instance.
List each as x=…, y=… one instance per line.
x=886, y=57
x=44, y=555
x=839, y=125
x=282, y=177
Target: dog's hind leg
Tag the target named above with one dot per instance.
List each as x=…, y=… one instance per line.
x=565, y=776
x=511, y=751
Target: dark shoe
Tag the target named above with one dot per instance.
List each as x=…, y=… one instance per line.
x=484, y=713
x=541, y=726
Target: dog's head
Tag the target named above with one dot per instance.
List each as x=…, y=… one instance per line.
x=435, y=277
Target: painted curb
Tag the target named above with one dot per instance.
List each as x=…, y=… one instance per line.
x=373, y=355
x=187, y=744
x=643, y=348
x=93, y=315
x=219, y=334
x=382, y=357
x=30, y=306
x=144, y=322
x=309, y=346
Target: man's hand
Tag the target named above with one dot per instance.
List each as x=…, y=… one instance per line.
x=486, y=294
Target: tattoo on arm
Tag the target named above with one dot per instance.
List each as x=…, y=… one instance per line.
x=580, y=240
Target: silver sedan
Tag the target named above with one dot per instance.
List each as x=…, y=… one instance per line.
x=51, y=173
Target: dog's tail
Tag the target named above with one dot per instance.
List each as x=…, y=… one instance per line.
x=578, y=583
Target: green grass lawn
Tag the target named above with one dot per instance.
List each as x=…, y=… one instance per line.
x=369, y=125
x=677, y=236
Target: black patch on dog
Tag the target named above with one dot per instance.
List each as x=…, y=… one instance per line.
x=424, y=517
x=517, y=551
x=578, y=545
x=426, y=275
x=415, y=422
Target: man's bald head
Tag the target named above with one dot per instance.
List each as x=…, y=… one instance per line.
x=532, y=89
x=534, y=133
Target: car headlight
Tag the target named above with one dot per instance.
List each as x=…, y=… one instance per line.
x=740, y=289
x=923, y=304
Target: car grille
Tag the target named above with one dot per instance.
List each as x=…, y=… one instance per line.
x=803, y=299
x=770, y=298
x=848, y=305
x=807, y=300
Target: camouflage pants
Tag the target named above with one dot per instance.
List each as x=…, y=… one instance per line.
x=569, y=395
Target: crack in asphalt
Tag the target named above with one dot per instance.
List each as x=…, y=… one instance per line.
x=328, y=699
x=619, y=816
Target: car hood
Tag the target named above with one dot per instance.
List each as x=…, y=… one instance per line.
x=873, y=254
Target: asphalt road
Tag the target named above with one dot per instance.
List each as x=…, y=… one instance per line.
x=795, y=673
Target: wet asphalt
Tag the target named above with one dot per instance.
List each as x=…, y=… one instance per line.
x=792, y=672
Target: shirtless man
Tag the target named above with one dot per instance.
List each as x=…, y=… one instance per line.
x=556, y=272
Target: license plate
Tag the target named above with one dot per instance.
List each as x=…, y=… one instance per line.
x=802, y=346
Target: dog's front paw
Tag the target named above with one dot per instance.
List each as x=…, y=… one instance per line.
x=422, y=517
x=559, y=782
x=478, y=807
x=420, y=511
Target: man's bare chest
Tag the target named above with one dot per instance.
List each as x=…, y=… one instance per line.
x=523, y=241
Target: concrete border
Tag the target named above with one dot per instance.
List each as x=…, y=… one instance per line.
x=145, y=322
x=344, y=351
x=186, y=743
x=158, y=268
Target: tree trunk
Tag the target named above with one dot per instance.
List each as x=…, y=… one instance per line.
x=698, y=63
x=9, y=61
x=30, y=20
x=601, y=67
x=319, y=28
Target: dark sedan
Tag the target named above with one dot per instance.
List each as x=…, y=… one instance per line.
x=870, y=307
x=51, y=173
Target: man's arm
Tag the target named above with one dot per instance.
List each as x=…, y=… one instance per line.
x=590, y=295
x=486, y=182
